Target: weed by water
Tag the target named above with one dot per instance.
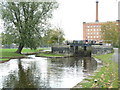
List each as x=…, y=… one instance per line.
x=107, y=77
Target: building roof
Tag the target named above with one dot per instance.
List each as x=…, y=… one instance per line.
x=97, y=22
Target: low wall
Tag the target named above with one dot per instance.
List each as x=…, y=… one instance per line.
x=101, y=50
x=60, y=49
x=71, y=51
x=80, y=52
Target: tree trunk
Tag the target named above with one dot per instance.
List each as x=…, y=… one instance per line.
x=20, y=48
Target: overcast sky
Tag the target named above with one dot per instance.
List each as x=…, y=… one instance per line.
x=72, y=13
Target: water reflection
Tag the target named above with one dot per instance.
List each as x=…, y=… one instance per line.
x=89, y=64
x=40, y=72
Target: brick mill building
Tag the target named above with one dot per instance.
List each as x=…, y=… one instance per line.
x=92, y=30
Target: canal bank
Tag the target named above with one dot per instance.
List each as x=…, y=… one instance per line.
x=7, y=54
x=104, y=77
x=49, y=54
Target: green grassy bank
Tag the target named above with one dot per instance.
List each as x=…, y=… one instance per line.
x=6, y=54
x=106, y=77
x=49, y=55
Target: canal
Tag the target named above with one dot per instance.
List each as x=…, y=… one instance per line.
x=39, y=72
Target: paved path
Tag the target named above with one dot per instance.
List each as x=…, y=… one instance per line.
x=115, y=55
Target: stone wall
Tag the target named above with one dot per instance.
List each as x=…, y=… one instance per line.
x=101, y=50
x=60, y=49
x=81, y=52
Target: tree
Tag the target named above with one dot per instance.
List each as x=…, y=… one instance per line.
x=109, y=32
x=7, y=38
x=26, y=21
x=54, y=36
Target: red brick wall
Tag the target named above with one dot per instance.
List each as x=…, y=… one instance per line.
x=91, y=31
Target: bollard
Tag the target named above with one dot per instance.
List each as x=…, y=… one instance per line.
x=85, y=48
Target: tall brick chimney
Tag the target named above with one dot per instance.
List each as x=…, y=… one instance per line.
x=97, y=11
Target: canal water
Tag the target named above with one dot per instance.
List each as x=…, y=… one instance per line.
x=39, y=72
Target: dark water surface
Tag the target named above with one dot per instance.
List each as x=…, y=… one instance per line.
x=39, y=72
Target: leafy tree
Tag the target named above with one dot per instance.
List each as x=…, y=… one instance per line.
x=26, y=21
x=109, y=32
x=7, y=38
x=54, y=36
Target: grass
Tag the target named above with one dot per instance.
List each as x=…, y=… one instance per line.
x=50, y=55
x=31, y=51
x=8, y=53
x=4, y=59
x=107, y=77
x=23, y=51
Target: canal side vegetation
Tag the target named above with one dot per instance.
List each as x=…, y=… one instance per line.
x=6, y=59
x=6, y=54
x=106, y=77
x=49, y=55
